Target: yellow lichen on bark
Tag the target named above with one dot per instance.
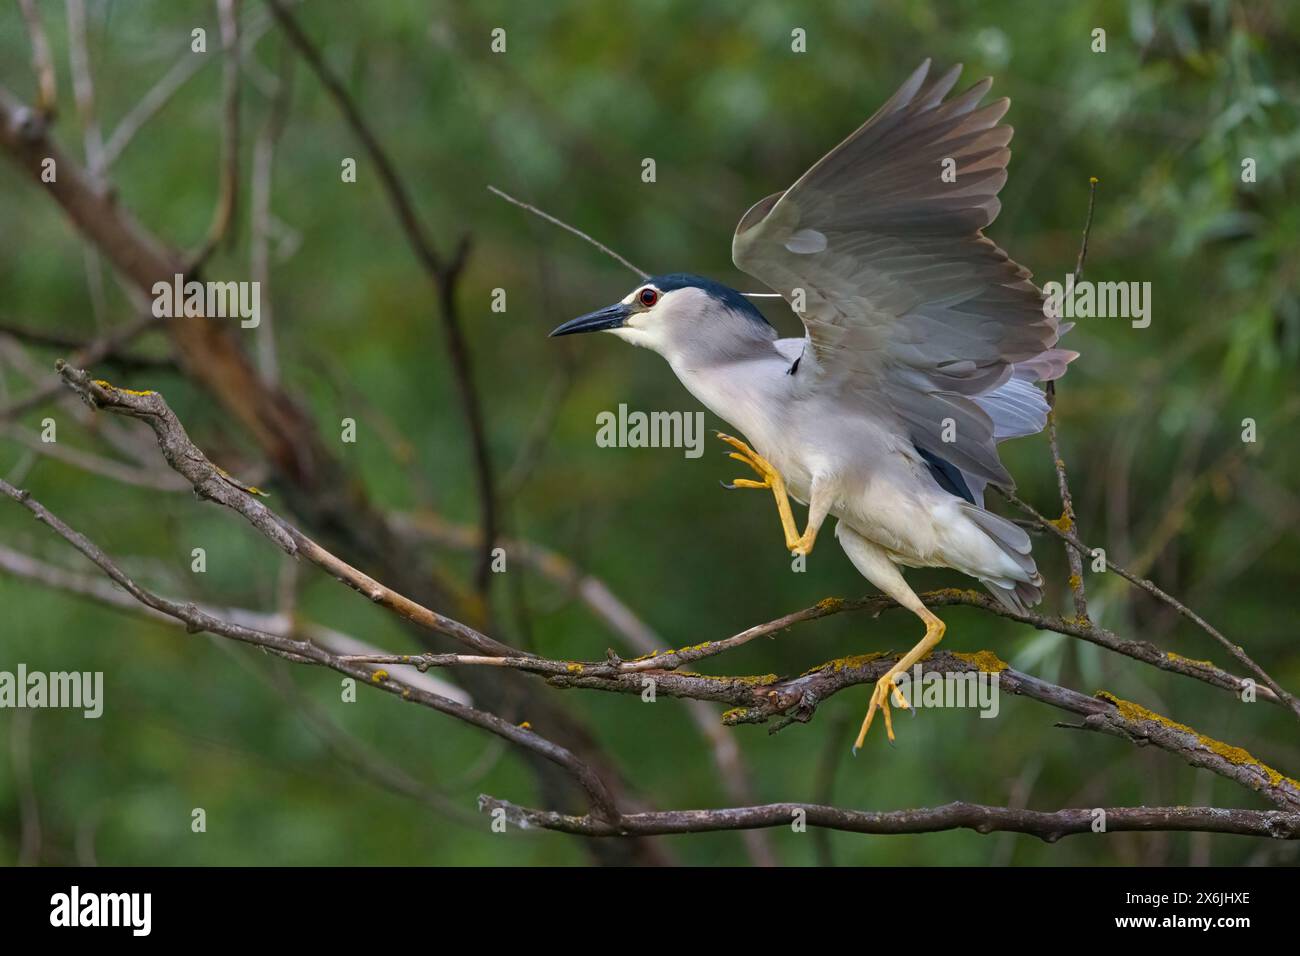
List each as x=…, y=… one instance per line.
x=1233, y=754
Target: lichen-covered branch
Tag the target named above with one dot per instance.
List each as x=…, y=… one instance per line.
x=754, y=699
x=1290, y=701
x=758, y=699
x=800, y=695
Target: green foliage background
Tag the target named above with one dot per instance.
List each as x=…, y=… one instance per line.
x=1151, y=419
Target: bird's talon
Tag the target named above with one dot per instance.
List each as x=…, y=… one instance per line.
x=899, y=700
x=880, y=696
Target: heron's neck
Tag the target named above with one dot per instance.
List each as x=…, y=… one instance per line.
x=721, y=336
x=744, y=385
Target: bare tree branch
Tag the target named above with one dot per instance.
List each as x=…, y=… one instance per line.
x=757, y=699
x=293, y=626
x=316, y=484
x=442, y=273
x=214, y=484
x=95, y=464
x=83, y=88
x=160, y=94
x=1235, y=650
x=114, y=355
x=260, y=225
x=223, y=216
x=299, y=651
x=1049, y=827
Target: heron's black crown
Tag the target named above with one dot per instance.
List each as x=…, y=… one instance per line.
x=724, y=294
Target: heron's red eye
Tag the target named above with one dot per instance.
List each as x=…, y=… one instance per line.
x=649, y=296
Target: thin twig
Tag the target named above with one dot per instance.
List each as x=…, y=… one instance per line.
x=83, y=88
x=223, y=216
x=98, y=350
x=95, y=464
x=46, y=338
x=29, y=807
x=297, y=627
x=42, y=61
x=641, y=273
x=573, y=229
x=1237, y=652
x=160, y=94
x=259, y=254
x=1072, y=557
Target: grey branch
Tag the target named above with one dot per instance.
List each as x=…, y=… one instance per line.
x=754, y=699
x=307, y=652
x=1049, y=827
x=760, y=699
x=757, y=699
x=214, y=484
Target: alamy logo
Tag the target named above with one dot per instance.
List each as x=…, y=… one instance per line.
x=1098, y=300
x=103, y=909
x=651, y=430
x=977, y=689
x=213, y=300
x=79, y=690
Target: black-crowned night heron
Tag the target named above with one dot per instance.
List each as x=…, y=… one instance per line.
x=924, y=340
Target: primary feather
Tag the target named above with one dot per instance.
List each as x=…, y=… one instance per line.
x=907, y=305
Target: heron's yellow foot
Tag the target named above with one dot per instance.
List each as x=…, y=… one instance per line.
x=934, y=630
x=880, y=701
x=795, y=542
x=743, y=453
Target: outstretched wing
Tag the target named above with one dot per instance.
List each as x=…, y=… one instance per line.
x=910, y=309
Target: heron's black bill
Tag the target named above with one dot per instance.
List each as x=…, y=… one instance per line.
x=610, y=317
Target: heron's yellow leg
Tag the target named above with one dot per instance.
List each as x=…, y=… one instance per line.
x=771, y=478
x=934, y=629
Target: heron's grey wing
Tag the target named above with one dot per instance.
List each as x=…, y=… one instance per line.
x=908, y=306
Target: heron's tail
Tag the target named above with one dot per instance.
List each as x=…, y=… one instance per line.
x=1021, y=590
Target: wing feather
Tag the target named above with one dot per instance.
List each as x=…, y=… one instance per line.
x=908, y=306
